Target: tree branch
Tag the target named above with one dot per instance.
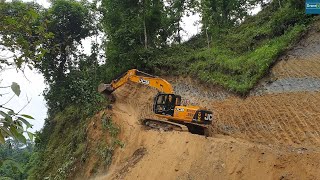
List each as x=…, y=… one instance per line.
x=8, y=101
x=28, y=102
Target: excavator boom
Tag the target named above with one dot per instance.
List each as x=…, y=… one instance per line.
x=137, y=76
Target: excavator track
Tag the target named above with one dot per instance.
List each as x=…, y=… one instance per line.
x=168, y=125
x=164, y=125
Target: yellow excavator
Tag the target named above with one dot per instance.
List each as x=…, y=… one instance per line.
x=167, y=105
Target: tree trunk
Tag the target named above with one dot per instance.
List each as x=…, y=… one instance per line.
x=280, y=3
x=179, y=37
x=63, y=60
x=145, y=34
x=208, y=41
x=144, y=26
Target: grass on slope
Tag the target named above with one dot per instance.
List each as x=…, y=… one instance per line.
x=241, y=57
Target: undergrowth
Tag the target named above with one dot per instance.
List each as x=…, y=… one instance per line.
x=63, y=144
x=106, y=150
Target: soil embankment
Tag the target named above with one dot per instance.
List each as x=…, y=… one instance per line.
x=150, y=154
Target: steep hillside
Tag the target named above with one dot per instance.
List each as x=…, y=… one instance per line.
x=273, y=133
x=284, y=103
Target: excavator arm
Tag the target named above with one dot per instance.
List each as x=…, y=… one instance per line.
x=137, y=76
x=166, y=104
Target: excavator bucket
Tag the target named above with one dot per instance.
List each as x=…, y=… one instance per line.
x=105, y=88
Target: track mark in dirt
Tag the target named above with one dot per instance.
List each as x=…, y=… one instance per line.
x=134, y=159
x=290, y=118
x=298, y=68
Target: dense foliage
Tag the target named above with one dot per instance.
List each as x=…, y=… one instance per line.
x=234, y=50
x=22, y=32
x=14, y=159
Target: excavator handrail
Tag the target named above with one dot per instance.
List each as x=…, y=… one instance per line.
x=144, y=73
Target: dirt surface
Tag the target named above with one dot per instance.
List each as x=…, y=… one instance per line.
x=282, y=119
x=274, y=133
x=181, y=155
x=303, y=60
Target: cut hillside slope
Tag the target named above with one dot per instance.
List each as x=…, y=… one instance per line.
x=273, y=133
x=283, y=109
x=150, y=154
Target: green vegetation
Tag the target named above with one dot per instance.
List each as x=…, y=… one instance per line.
x=59, y=145
x=14, y=158
x=72, y=78
x=228, y=53
x=104, y=150
x=14, y=124
x=22, y=31
x=238, y=59
x=107, y=124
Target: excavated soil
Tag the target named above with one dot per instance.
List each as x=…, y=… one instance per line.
x=271, y=134
x=303, y=60
x=282, y=119
x=150, y=154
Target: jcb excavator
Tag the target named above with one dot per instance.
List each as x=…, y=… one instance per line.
x=167, y=105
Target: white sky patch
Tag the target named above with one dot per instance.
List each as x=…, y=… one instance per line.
x=191, y=26
x=255, y=10
x=44, y=3
x=31, y=89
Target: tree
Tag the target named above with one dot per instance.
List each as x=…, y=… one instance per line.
x=69, y=21
x=22, y=32
x=135, y=29
x=14, y=158
x=220, y=15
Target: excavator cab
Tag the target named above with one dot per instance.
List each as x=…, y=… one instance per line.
x=164, y=104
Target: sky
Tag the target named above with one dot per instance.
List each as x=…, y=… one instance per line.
x=32, y=83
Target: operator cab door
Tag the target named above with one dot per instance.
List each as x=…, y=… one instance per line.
x=165, y=103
